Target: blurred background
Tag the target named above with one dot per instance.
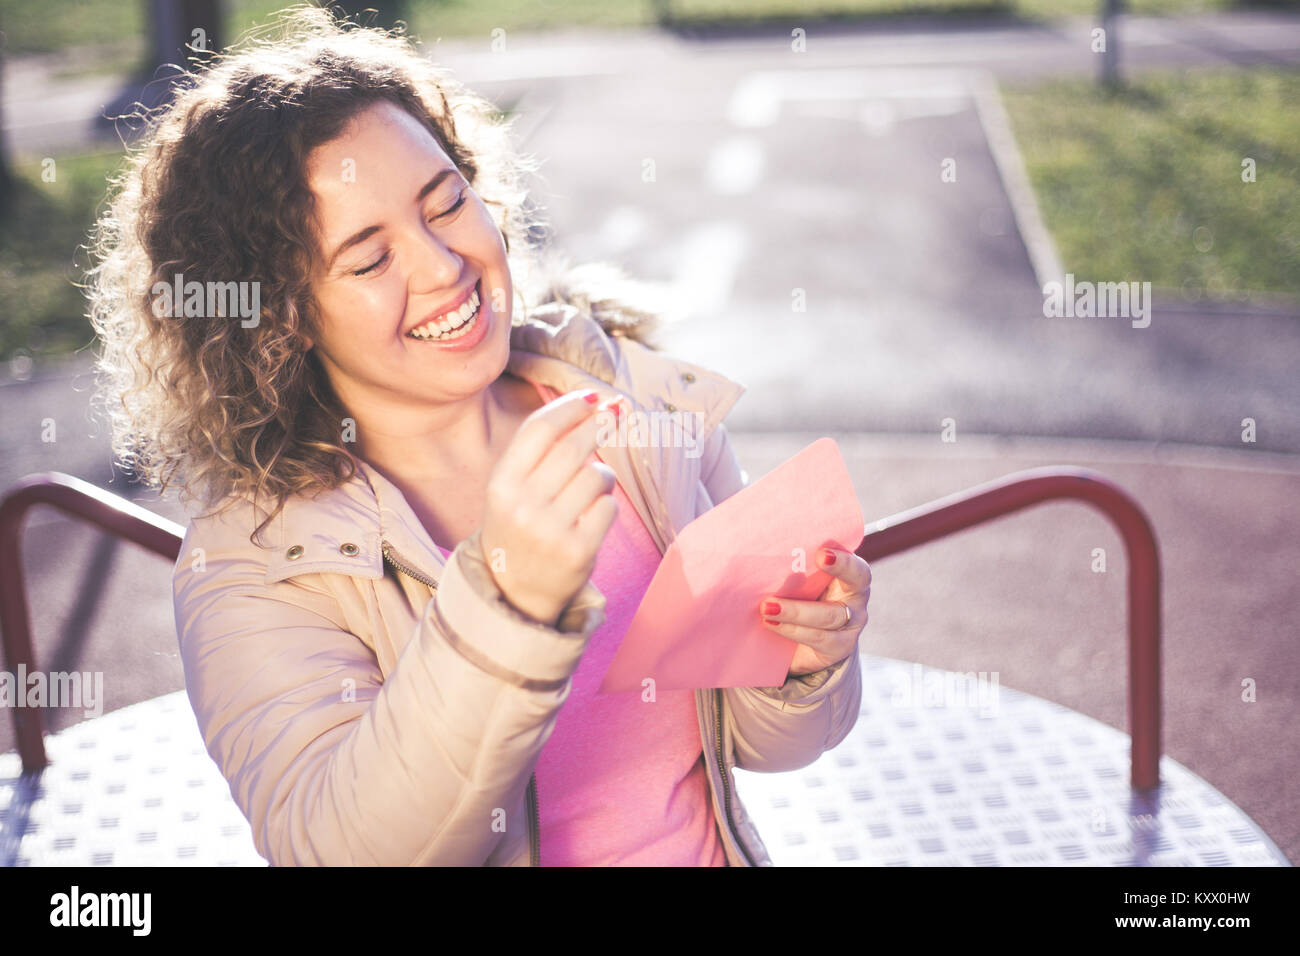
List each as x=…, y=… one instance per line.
x=855, y=207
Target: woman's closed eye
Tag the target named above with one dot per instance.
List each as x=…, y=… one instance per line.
x=442, y=215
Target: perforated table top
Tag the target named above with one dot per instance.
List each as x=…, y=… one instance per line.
x=1033, y=784
x=134, y=787
x=933, y=775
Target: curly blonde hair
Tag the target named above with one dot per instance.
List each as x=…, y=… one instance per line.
x=217, y=191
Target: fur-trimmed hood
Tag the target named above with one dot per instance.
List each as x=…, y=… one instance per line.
x=622, y=306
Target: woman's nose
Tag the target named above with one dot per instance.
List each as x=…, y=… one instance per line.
x=437, y=267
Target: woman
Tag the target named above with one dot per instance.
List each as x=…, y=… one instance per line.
x=415, y=558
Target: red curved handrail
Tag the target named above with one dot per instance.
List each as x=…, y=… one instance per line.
x=886, y=537
x=80, y=499
x=963, y=510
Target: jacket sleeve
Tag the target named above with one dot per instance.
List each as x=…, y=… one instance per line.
x=333, y=764
x=776, y=729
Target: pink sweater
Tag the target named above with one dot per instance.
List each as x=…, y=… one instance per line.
x=621, y=781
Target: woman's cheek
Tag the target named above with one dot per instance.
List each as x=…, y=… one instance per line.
x=380, y=301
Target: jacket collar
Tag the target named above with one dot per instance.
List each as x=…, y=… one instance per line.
x=563, y=347
x=342, y=529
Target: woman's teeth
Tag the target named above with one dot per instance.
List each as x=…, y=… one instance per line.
x=452, y=325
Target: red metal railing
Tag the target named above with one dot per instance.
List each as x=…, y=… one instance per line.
x=888, y=536
x=80, y=499
x=995, y=499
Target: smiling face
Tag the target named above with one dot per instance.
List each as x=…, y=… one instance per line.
x=405, y=240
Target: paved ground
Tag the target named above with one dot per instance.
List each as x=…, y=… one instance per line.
x=776, y=173
x=820, y=174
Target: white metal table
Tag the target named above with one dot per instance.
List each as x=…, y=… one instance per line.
x=1033, y=784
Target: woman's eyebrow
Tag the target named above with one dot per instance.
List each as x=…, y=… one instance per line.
x=360, y=237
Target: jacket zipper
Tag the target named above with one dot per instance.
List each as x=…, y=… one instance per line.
x=535, y=837
x=726, y=786
x=391, y=557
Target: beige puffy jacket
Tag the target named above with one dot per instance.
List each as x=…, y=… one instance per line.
x=372, y=705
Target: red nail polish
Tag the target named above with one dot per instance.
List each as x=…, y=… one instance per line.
x=828, y=558
x=591, y=398
x=770, y=620
x=771, y=607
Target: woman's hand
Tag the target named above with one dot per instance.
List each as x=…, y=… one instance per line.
x=818, y=626
x=549, y=503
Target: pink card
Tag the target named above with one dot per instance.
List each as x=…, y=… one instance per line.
x=699, y=624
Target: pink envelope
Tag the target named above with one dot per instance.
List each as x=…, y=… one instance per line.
x=699, y=623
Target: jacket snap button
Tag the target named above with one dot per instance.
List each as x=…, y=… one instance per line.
x=294, y=553
x=670, y=406
x=349, y=549
x=688, y=377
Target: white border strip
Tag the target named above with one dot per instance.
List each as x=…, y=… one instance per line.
x=1015, y=181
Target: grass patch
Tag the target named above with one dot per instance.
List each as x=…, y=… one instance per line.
x=47, y=27
x=44, y=312
x=1147, y=185
x=430, y=19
